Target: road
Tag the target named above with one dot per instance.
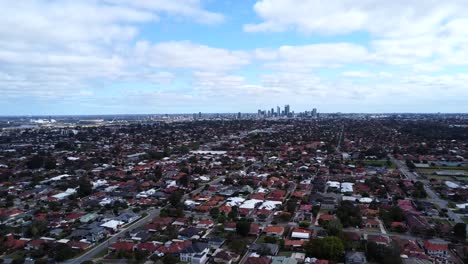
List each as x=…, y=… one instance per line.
x=89, y=255
x=339, y=139
x=433, y=197
x=97, y=249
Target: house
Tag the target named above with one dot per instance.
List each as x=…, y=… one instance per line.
x=121, y=246
x=226, y=257
x=436, y=248
x=205, y=224
x=216, y=242
x=195, y=253
x=190, y=232
x=92, y=233
x=148, y=246
x=128, y=217
x=79, y=245
x=230, y=226
x=355, y=257
x=298, y=233
x=325, y=218
x=293, y=244
x=254, y=229
x=173, y=247
x=255, y=260
x=113, y=225
x=276, y=231
x=378, y=239
x=410, y=248
x=371, y=223
x=266, y=248
x=283, y=260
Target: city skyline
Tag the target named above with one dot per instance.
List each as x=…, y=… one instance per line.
x=187, y=56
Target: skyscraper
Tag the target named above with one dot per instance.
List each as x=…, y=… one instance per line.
x=314, y=112
x=286, y=110
x=278, y=110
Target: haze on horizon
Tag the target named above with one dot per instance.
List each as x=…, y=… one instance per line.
x=186, y=56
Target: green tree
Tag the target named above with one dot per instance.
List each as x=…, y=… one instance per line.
x=63, y=252
x=35, y=162
x=175, y=198
x=243, y=228
x=169, y=259
x=349, y=214
x=330, y=248
x=460, y=231
x=85, y=187
x=214, y=212
x=238, y=245
x=334, y=228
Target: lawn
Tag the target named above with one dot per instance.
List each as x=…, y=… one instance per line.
x=285, y=253
x=378, y=163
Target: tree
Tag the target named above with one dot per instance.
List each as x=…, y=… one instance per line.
x=169, y=259
x=304, y=224
x=460, y=231
x=63, y=252
x=382, y=254
x=85, y=187
x=175, y=198
x=334, y=228
x=238, y=245
x=50, y=163
x=331, y=248
x=243, y=228
x=35, y=162
x=291, y=205
x=214, y=212
x=141, y=255
x=37, y=228
x=349, y=214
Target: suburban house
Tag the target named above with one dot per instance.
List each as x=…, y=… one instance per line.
x=355, y=257
x=276, y=231
x=195, y=253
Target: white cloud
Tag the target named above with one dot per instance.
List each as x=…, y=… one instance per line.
x=382, y=18
x=53, y=48
x=357, y=74
x=304, y=58
x=188, y=55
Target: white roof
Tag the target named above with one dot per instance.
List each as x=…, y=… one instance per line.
x=112, y=224
x=452, y=185
x=250, y=204
x=64, y=194
x=235, y=201
x=214, y=152
x=204, y=178
x=333, y=184
x=349, y=198
x=462, y=206
x=269, y=205
x=347, y=187
x=365, y=200
x=300, y=235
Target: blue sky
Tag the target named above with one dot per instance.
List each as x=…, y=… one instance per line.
x=185, y=56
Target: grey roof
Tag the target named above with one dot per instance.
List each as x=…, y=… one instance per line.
x=272, y=248
x=195, y=248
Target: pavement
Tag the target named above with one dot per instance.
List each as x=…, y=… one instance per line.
x=90, y=254
x=432, y=196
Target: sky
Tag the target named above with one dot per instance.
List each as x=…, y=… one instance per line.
x=190, y=56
